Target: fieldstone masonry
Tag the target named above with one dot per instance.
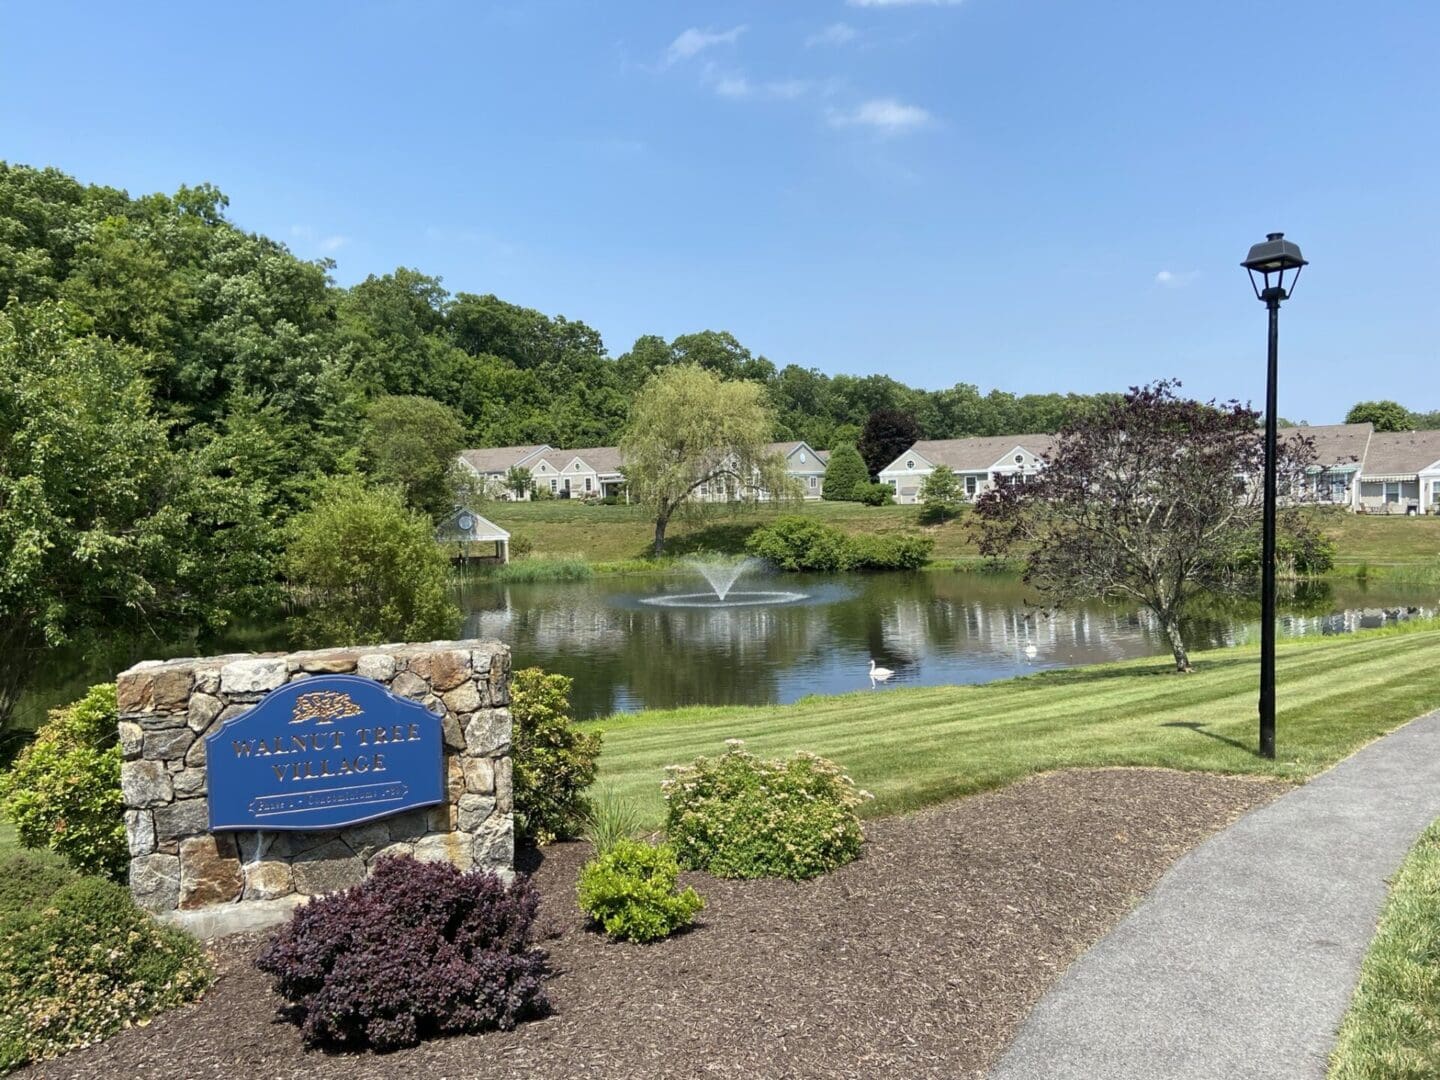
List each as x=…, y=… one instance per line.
x=180, y=870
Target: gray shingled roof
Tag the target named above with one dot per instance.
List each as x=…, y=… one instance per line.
x=979, y=453
x=1336, y=444
x=1401, y=453
x=498, y=459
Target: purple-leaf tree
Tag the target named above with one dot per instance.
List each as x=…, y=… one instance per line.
x=1151, y=499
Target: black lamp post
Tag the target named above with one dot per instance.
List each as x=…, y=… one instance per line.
x=1268, y=263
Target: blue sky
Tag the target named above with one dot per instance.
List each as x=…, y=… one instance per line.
x=1030, y=194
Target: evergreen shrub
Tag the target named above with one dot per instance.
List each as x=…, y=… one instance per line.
x=417, y=949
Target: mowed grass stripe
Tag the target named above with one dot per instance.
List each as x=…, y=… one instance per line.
x=916, y=747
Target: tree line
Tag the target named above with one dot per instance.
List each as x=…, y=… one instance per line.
x=177, y=393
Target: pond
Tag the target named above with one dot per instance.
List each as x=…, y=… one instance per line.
x=639, y=643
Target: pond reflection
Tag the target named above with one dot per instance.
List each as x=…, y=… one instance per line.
x=626, y=651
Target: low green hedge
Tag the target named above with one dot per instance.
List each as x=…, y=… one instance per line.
x=800, y=543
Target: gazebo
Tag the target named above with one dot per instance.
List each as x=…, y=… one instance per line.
x=465, y=527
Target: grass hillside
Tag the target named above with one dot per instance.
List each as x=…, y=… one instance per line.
x=613, y=533
x=921, y=746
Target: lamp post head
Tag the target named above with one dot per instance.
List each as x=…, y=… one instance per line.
x=1269, y=262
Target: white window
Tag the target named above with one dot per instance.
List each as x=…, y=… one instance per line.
x=910, y=464
x=970, y=485
x=813, y=483
x=1019, y=459
x=554, y=485
x=587, y=484
x=802, y=457
x=1392, y=491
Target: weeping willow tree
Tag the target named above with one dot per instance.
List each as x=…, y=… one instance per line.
x=695, y=441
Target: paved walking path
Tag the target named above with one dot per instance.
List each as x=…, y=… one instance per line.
x=1242, y=961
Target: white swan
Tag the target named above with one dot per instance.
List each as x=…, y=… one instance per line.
x=879, y=674
x=1030, y=651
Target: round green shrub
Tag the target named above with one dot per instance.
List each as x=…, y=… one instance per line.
x=631, y=892
x=875, y=494
x=83, y=963
x=553, y=760
x=64, y=790
x=741, y=816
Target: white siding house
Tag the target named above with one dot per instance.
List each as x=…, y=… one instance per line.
x=491, y=465
x=1340, y=451
x=1399, y=473
x=596, y=472
x=977, y=462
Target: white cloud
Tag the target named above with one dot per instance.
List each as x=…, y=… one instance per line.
x=695, y=41
x=733, y=86
x=903, y=3
x=835, y=34
x=1176, y=279
x=885, y=115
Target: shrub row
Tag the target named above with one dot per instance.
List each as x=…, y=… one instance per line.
x=799, y=543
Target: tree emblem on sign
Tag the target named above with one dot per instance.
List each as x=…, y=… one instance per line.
x=324, y=707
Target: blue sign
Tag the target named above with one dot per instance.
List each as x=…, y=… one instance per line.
x=323, y=753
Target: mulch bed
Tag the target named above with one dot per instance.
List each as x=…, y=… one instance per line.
x=919, y=960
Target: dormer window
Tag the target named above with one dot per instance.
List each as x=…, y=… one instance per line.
x=802, y=457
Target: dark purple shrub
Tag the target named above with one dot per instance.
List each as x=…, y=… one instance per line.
x=417, y=949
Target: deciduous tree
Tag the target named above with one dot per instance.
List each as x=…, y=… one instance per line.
x=941, y=494
x=412, y=443
x=1385, y=415
x=690, y=429
x=1151, y=500
x=366, y=569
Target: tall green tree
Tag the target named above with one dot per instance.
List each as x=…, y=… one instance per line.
x=1385, y=415
x=366, y=569
x=411, y=443
x=690, y=429
x=844, y=473
x=103, y=527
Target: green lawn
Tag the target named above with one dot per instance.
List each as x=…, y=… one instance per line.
x=1392, y=1031
x=916, y=747
x=611, y=533
x=8, y=843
